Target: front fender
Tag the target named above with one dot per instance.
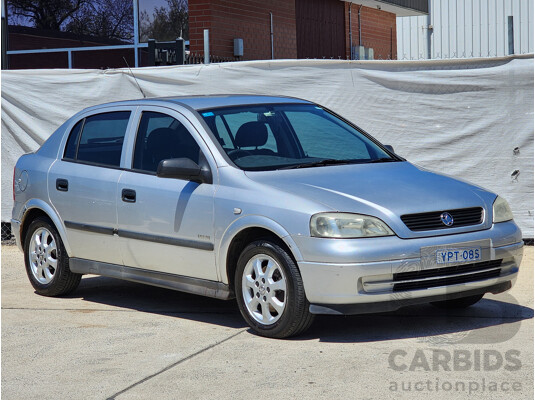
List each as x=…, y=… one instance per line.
x=51, y=213
x=250, y=221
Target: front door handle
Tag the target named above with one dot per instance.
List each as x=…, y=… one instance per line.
x=129, y=195
x=62, y=185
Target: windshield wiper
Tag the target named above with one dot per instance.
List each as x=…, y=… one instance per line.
x=382, y=159
x=319, y=163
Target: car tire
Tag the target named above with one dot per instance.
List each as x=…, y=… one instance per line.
x=47, y=262
x=462, y=302
x=270, y=292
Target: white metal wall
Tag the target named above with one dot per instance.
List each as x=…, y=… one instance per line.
x=466, y=29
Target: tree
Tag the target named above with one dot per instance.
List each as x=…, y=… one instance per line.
x=111, y=19
x=167, y=23
x=45, y=14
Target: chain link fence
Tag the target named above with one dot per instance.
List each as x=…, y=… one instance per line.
x=7, y=235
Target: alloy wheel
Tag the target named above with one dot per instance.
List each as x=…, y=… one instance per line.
x=43, y=255
x=264, y=289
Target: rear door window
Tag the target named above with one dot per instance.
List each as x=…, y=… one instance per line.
x=101, y=139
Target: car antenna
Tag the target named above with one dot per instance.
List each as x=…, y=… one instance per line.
x=133, y=76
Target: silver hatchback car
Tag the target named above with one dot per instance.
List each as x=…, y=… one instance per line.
x=276, y=201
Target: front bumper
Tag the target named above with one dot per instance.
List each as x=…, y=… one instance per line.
x=359, y=276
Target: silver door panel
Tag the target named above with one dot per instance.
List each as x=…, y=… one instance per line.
x=170, y=226
x=90, y=202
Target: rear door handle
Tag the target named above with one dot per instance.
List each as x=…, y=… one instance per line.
x=129, y=195
x=62, y=185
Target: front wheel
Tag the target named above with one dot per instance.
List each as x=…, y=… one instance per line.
x=270, y=291
x=47, y=262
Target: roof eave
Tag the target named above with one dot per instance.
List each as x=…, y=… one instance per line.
x=402, y=8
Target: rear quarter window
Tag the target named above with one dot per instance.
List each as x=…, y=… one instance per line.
x=72, y=142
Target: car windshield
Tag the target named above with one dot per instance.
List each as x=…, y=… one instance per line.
x=285, y=136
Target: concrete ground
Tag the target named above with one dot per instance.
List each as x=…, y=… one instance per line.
x=114, y=339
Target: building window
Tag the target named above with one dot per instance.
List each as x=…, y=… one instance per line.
x=163, y=20
x=55, y=24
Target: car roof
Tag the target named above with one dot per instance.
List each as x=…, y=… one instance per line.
x=208, y=101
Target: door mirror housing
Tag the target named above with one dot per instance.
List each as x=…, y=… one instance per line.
x=185, y=169
x=389, y=148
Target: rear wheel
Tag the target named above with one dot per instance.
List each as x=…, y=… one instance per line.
x=47, y=262
x=463, y=302
x=270, y=291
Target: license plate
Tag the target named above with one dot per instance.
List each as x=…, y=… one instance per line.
x=465, y=254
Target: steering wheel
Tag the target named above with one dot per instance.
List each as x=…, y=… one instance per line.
x=238, y=153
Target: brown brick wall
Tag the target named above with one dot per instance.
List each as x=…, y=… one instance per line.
x=246, y=19
x=249, y=20
x=378, y=31
x=226, y=19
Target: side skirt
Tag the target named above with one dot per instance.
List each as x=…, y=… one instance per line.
x=181, y=283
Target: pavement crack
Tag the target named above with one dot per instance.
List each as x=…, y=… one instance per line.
x=112, y=397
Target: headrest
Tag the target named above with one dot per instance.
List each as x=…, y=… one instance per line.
x=252, y=134
x=162, y=143
x=159, y=135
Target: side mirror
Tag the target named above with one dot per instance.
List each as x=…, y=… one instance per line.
x=185, y=169
x=389, y=148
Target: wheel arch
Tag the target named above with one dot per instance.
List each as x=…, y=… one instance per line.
x=244, y=231
x=36, y=208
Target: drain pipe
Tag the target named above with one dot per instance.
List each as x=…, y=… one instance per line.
x=360, y=29
x=271, y=33
x=350, y=34
x=206, y=46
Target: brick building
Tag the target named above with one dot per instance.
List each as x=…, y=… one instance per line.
x=301, y=28
x=278, y=29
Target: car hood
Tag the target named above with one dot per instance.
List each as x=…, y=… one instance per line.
x=385, y=190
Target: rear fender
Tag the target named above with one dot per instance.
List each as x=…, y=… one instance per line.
x=51, y=213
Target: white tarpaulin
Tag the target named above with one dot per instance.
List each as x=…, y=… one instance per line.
x=472, y=119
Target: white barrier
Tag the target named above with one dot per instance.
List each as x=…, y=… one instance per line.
x=472, y=119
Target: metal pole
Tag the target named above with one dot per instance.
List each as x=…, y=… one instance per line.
x=5, y=36
x=180, y=51
x=65, y=49
x=136, y=33
x=206, y=46
x=511, y=34
x=392, y=43
x=69, y=56
x=271, y=33
x=429, y=30
x=350, y=35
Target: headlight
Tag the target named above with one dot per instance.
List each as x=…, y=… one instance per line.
x=345, y=225
x=501, y=211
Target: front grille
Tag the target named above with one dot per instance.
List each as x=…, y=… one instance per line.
x=431, y=220
x=445, y=271
x=453, y=280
